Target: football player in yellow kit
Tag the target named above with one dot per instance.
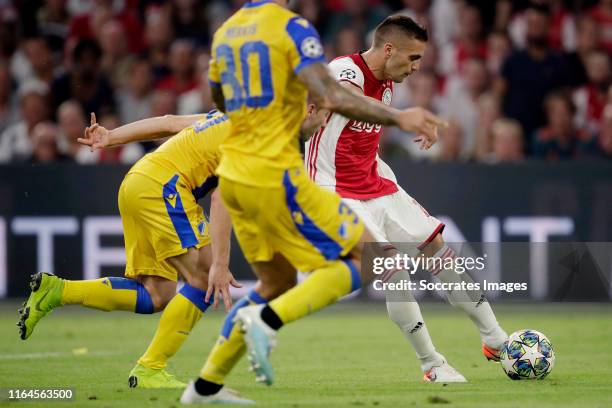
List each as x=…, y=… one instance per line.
x=166, y=234
x=265, y=59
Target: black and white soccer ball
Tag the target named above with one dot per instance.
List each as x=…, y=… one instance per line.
x=527, y=355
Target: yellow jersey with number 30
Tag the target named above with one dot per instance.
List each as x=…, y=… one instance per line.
x=256, y=55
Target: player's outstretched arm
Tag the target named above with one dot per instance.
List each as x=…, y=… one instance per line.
x=328, y=94
x=98, y=137
x=219, y=277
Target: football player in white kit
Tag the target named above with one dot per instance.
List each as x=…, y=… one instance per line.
x=342, y=156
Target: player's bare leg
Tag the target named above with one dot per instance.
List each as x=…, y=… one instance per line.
x=275, y=278
x=181, y=314
x=474, y=304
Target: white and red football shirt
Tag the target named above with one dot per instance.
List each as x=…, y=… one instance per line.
x=343, y=155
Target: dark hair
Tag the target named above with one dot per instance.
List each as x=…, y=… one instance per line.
x=404, y=24
x=84, y=47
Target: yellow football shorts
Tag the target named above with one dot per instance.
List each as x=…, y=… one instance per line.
x=159, y=221
x=308, y=225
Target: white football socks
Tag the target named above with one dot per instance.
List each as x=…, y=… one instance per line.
x=471, y=302
x=405, y=312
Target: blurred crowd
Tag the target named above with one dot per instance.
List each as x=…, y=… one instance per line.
x=516, y=79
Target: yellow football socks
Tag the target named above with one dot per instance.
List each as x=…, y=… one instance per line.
x=108, y=294
x=323, y=287
x=178, y=318
x=230, y=346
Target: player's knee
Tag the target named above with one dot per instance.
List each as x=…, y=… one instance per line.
x=160, y=291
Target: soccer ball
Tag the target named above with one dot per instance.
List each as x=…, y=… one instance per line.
x=527, y=355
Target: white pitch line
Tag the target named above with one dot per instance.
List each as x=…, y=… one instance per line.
x=27, y=356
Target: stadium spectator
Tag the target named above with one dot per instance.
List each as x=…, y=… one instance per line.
x=72, y=121
x=451, y=143
x=45, y=148
x=467, y=44
x=560, y=139
x=489, y=111
x=89, y=24
x=562, y=29
x=182, y=68
x=158, y=35
x=499, y=48
x=508, y=142
x=356, y=13
x=591, y=98
x=422, y=90
x=604, y=141
x=16, y=140
x=461, y=102
x=53, y=22
x=198, y=100
x=163, y=103
x=85, y=81
x=8, y=106
x=135, y=97
x=529, y=75
x=188, y=18
x=348, y=40
x=115, y=54
x=39, y=59
x=586, y=42
x=602, y=13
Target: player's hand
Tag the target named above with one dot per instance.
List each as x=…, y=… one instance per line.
x=219, y=280
x=95, y=136
x=422, y=122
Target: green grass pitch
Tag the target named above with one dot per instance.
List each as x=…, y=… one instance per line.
x=348, y=356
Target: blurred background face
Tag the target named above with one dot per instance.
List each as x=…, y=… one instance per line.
x=598, y=69
x=38, y=54
x=507, y=141
x=140, y=78
x=559, y=113
x=587, y=37
x=451, y=139
x=348, y=41
x=423, y=89
x=44, y=142
x=34, y=108
x=182, y=58
x=405, y=58
x=158, y=29
x=475, y=76
x=112, y=39
x=470, y=23
x=71, y=120
x=537, y=28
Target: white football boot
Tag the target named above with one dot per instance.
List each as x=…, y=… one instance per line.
x=443, y=373
x=260, y=340
x=223, y=396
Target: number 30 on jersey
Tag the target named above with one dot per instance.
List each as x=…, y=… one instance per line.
x=241, y=83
